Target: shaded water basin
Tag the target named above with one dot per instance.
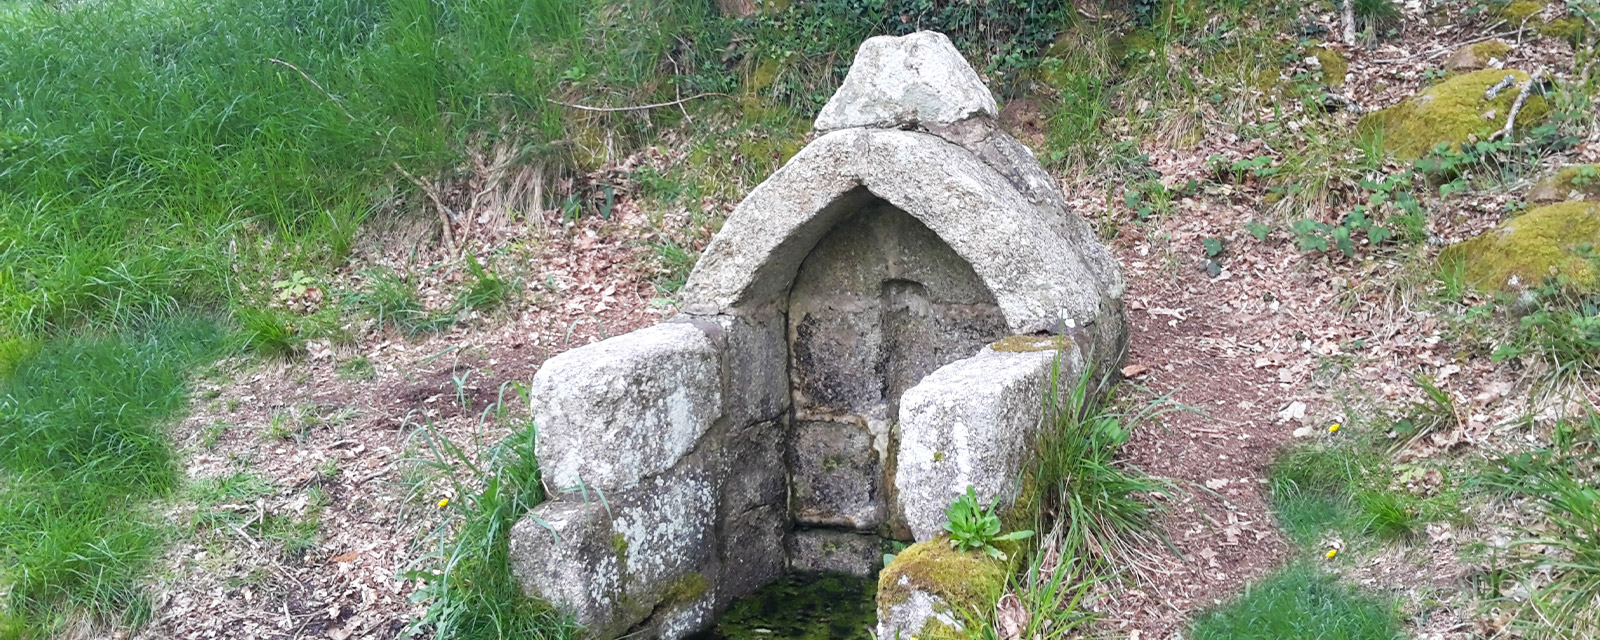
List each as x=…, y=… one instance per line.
x=802, y=607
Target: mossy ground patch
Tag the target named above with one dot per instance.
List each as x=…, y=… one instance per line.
x=1544, y=242
x=1452, y=112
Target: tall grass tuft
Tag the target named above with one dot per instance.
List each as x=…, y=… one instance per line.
x=1558, y=563
x=82, y=454
x=1082, y=482
x=468, y=587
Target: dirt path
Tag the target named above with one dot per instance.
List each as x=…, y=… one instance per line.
x=1218, y=452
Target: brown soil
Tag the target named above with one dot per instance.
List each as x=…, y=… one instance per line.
x=1217, y=450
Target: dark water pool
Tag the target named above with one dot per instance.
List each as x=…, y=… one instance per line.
x=802, y=607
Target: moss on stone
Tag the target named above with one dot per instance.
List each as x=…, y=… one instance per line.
x=1490, y=49
x=1542, y=243
x=1334, y=66
x=1452, y=112
x=964, y=581
x=1574, y=183
x=684, y=590
x=1476, y=56
x=1029, y=343
x=620, y=543
x=1572, y=30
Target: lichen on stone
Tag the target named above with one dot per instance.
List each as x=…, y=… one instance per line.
x=1452, y=112
x=1522, y=252
x=1030, y=343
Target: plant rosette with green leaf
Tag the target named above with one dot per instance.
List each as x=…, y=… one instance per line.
x=974, y=527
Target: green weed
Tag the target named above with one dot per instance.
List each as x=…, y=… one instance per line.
x=974, y=527
x=487, y=292
x=675, y=262
x=1300, y=602
x=1562, y=330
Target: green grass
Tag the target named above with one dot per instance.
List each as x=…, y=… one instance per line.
x=1303, y=603
x=1348, y=486
x=154, y=144
x=1102, y=502
x=467, y=582
x=83, y=458
x=1557, y=561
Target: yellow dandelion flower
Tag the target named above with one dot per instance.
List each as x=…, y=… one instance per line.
x=444, y=503
x=1334, y=428
x=1332, y=553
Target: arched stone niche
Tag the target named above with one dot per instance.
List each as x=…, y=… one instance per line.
x=841, y=369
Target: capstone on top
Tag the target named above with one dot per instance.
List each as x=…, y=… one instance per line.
x=919, y=80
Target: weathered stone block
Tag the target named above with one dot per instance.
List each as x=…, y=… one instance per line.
x=754, y=509
x=614, y=560
x=974, y=423
x=913, y=80
x=836, y=478
x=1038, y=278
x=621, y=410
x=568, y=554
x=756, y=358
x=824, y=550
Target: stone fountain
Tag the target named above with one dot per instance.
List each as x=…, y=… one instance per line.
x=870, y=333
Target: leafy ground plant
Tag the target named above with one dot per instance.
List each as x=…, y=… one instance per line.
x=974, y=527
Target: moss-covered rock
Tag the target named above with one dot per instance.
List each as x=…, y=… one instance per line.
x=1334, y=66
x=1476, y=56
x=1573, y=30
x=1572, y=183
x=930, y=584
x=1522, y=252
x=1520, y=10
x=1451, y=112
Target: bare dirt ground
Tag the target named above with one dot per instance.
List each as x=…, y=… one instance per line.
x=355, y=435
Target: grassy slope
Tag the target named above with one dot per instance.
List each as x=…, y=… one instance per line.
x=146, y=147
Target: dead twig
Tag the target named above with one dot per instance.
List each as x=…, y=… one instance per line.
x=1516, y=106
x=642, y=107
x=1435, y=52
